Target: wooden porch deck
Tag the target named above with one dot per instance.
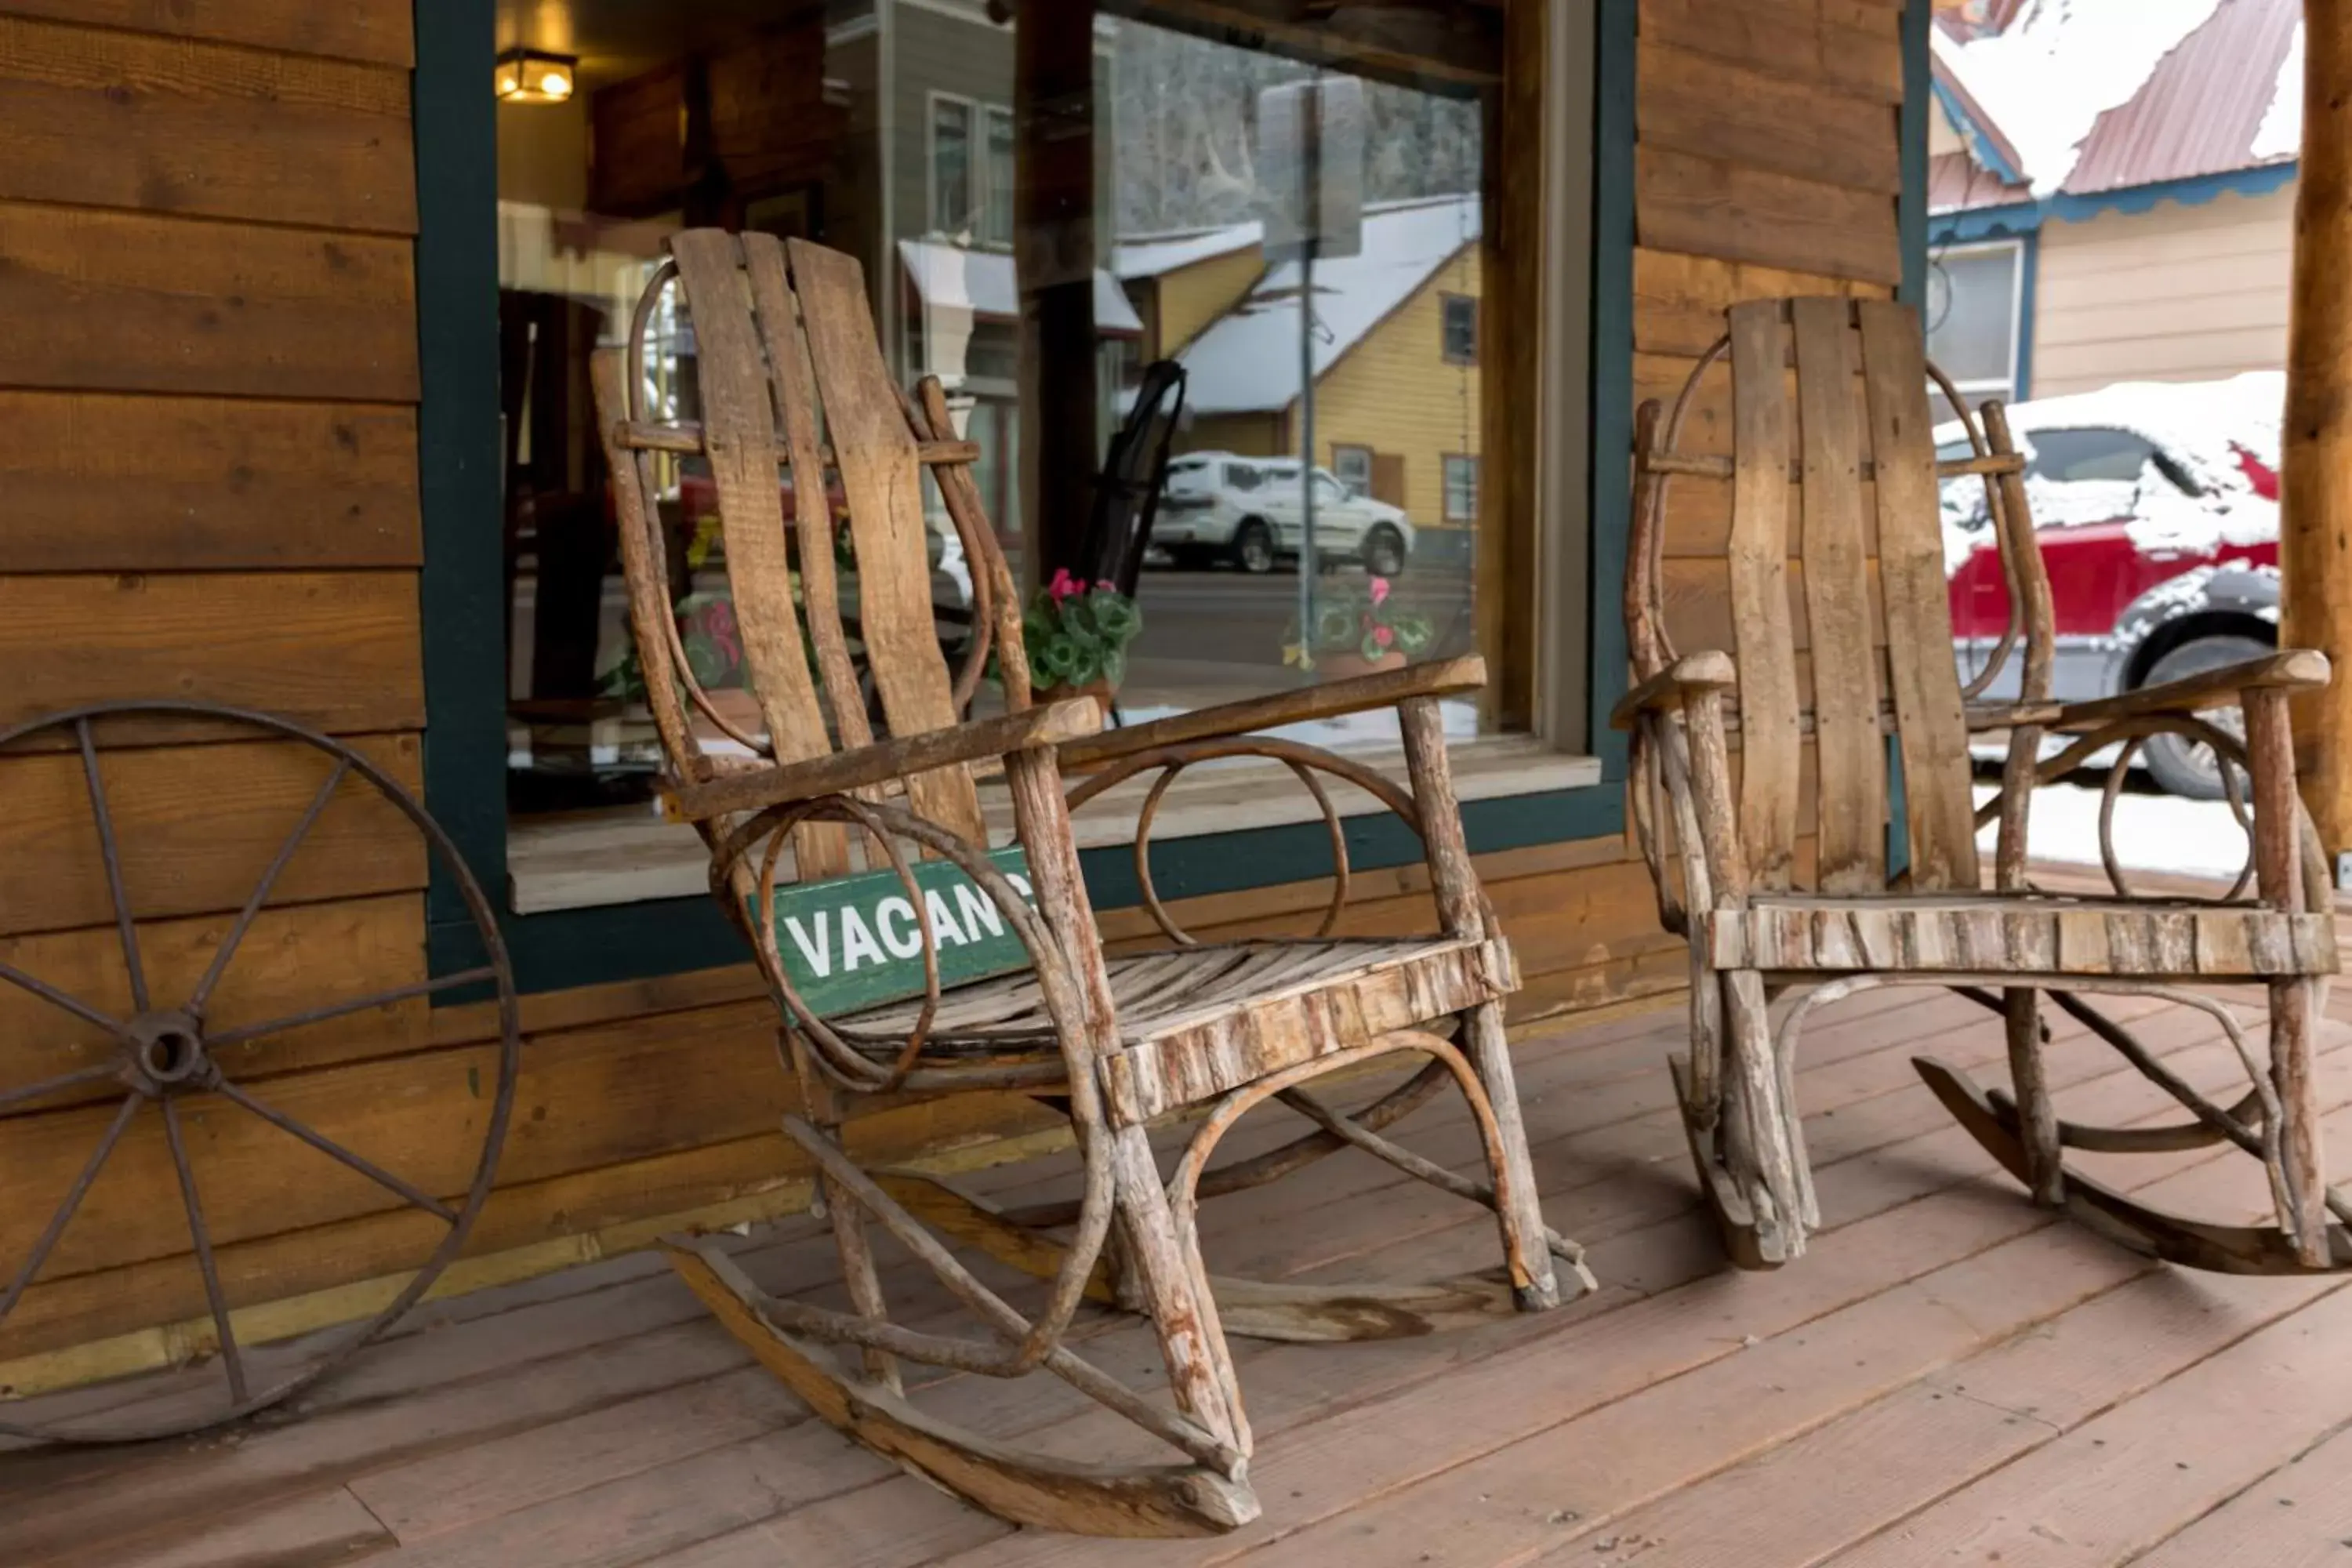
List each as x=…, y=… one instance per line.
x=1949, y=1377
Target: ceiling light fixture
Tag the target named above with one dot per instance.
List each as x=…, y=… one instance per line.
x=533, y=75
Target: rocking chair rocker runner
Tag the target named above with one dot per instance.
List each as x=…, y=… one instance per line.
x=1829, y=591
x=791, y=372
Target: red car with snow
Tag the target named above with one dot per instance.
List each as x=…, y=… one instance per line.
x=2156, y=509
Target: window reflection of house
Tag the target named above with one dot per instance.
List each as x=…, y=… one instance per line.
x=1393, y=391
x=2111, y=192
x=964, y=318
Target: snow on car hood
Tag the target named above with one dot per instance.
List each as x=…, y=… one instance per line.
x=2200, y=425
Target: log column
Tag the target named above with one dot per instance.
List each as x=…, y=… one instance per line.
x=2316, y=482
x=1054, y=244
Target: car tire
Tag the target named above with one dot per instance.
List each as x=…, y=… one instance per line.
x=1383, y=552
x=2183, y=767
x=1254, y=547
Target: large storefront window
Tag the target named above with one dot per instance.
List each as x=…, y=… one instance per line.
x=1134, y=174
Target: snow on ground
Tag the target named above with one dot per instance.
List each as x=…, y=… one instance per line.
x=2156, y=833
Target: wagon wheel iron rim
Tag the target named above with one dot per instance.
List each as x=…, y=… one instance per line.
x=163, y=1054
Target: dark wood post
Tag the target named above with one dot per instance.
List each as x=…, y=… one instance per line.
x=1053, y=244
x=2316, y=485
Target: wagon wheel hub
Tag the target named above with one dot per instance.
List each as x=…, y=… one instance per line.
x=167, y=1055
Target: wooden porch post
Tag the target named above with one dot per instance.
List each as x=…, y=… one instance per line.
x=2315, y=483
x=1054, y=240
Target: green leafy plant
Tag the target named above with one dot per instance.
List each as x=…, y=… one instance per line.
x=1359, y=621
x=1077, y=633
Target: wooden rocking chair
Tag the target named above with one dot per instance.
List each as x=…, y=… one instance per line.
x=1823, y=614
x=1001, y=983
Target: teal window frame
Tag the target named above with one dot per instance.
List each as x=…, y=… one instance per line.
x=465, y=742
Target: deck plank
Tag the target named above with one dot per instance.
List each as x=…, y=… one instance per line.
x=883, y=1526
x=1340, y=1458
x=2298, y=1516
x=2125, y=1481
x=660, y=1511
x=598, y=1418
x=1674, y=1435
x=463, y=1487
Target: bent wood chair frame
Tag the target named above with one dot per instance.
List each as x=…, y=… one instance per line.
x=791, y=373
x=1825, y=603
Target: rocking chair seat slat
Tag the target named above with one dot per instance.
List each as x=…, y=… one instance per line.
x=2004, y=935
x=1197, y=1021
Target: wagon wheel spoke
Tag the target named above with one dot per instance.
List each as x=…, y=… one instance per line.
x=237, y=1037
x=334, y=1151
x=57, y=998
x=107, y=847
x=52, y=1084
x=64, y=1217
x=231, y=1357
x=244, y=916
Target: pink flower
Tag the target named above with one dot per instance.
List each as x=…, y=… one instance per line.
x=1383, y=636
x=1063, y=585
x=1380, y=590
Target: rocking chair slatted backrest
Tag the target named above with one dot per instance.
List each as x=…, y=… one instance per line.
x=790, y=375
x=1833, y=577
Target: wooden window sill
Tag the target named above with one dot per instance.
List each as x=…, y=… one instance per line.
x=592, y=858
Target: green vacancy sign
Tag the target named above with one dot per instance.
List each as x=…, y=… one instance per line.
x=854, y=942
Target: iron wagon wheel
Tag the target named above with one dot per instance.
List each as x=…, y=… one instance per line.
x=164, y=1060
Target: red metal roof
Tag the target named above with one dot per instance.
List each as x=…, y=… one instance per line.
x=2196, y=115
x=2199, y=111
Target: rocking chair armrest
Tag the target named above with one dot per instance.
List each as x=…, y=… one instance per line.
x=1695, y=672
x=1052, y=724
x=2292, y=669
x=1358, y=694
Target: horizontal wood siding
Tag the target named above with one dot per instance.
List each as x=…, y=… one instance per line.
x=1395, y=393
x=103, y=483
x=208, y=447
x=638, y=1099
x=379, y=31
x=100, y=117
x=2175, y=293
x=1766, y=134
x=931, y=51
x=208, y=376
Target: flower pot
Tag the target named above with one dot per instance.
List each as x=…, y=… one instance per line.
x=1102, y=691
x=1344, y=666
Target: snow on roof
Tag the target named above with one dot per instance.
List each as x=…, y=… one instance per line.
x=949, y=277
x=2103, y=95
x=1151, y=255
x=1248, y=361
x=2280, y=132
x=2046, y=81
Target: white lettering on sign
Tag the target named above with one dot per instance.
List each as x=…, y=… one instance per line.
x=857, y=944
x=819, y=954
x=979, y=909
x=860, y=940
x=944, y=929
x=901, y=932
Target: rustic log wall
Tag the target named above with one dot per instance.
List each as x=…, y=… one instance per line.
x=208, y=458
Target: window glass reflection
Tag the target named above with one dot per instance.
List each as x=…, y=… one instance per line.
x=1163, y=231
